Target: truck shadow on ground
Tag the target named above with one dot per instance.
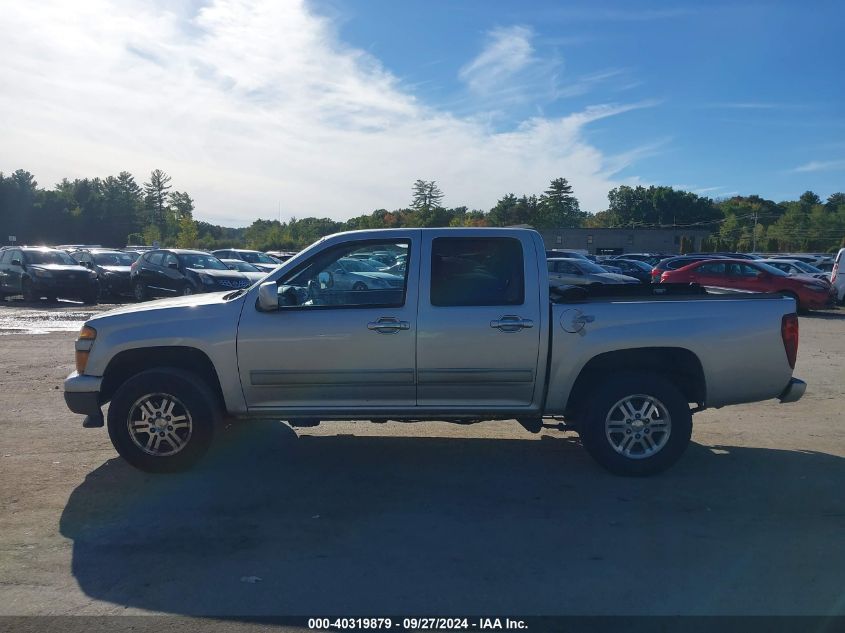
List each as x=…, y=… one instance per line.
x=272, y=524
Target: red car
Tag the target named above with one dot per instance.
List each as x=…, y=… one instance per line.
x=808, y=292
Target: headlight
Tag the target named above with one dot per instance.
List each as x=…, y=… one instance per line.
x=208, y=281
x=41, y=273
x=92, y=274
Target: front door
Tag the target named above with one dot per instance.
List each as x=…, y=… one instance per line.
x=343, y=337
x=480, y=320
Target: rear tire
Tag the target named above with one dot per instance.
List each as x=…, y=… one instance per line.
x=789, y=293
x=636, y=424
x=162, y=420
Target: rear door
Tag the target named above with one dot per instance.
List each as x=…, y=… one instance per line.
x=478, y=337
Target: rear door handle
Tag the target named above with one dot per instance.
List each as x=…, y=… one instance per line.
x=511, y=323
x=388, y=325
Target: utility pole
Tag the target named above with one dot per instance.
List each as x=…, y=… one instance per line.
x=754, y=235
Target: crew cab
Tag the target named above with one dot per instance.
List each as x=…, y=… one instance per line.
x=473, y=332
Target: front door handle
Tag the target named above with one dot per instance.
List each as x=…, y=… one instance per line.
x=388, y=325
x=511, y=323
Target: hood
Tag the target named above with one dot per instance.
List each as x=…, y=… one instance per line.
x=810, y=279
x=175, y=303
x=253, y=277
x=219, y=274
x=60, y=268
x=616, y=278
x=124, y=270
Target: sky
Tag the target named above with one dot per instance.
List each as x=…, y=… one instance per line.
x=333, y=108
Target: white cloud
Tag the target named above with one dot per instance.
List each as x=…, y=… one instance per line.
x=821, y=165
x=248, y=105
x=507, y=52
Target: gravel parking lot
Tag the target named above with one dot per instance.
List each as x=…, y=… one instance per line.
x=430, y=519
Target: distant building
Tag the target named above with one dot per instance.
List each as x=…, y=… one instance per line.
x=620, y=241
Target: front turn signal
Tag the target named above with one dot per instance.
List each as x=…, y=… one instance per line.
x=83, y=347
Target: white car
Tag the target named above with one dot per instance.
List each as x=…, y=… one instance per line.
x=837, y=277
x=251, y=272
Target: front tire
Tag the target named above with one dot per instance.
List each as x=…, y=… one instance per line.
x=28, y=291
x=139, y=290
x=636, y=424
x=163, y=420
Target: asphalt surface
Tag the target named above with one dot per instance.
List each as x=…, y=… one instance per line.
x=366, y=519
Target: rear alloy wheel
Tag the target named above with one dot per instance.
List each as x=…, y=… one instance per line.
x=163, y=420
x=188, y=290
x=139, y=290
x=636, y=424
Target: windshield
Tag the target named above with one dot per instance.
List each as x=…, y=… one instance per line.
x=352, y=265
x=807, y=268
x=771, y=269
x=113, y=259
x=201, y=262
x=589, y=267
x=49, y=257
x=257, y=258
x=244, y=267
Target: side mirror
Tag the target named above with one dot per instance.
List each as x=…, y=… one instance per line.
x=16, y=262
x=762, y=275
x=326, y=280
x=268, y=296
x=173, y=265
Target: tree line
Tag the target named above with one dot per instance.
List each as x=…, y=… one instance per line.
x=117, y=210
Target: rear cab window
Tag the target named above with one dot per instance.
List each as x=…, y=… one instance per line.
x=477, y=272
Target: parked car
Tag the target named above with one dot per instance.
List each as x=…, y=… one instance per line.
x=260, y=260
x=472, y=333
x=802, y=257
x=37, y=272
x=635, y=268
x=648, y=258
x=564, y=254
x=282, y=256
x=837, y=277
x=796, y=267
x=248, y=270
x=740, y=274
x=579, y=272
x=673, y=263
x=176, y=271
x=349, y=273
x=728, y=255
x=112, y=268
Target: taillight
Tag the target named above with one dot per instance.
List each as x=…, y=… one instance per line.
x=835, y=272
x=789, y=334
x=655, y=273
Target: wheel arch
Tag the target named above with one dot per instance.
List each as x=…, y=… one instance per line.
x=133, y=361
x=677, y=364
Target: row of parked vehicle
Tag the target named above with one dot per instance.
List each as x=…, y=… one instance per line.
x=811, y=279
x=91, y=273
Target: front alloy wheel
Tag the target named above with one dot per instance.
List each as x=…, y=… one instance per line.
x=162, y=420
x=159, y=424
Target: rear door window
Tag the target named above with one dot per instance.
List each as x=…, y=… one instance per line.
x=477, y=272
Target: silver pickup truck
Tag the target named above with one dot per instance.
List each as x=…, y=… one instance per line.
x=463, y=326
